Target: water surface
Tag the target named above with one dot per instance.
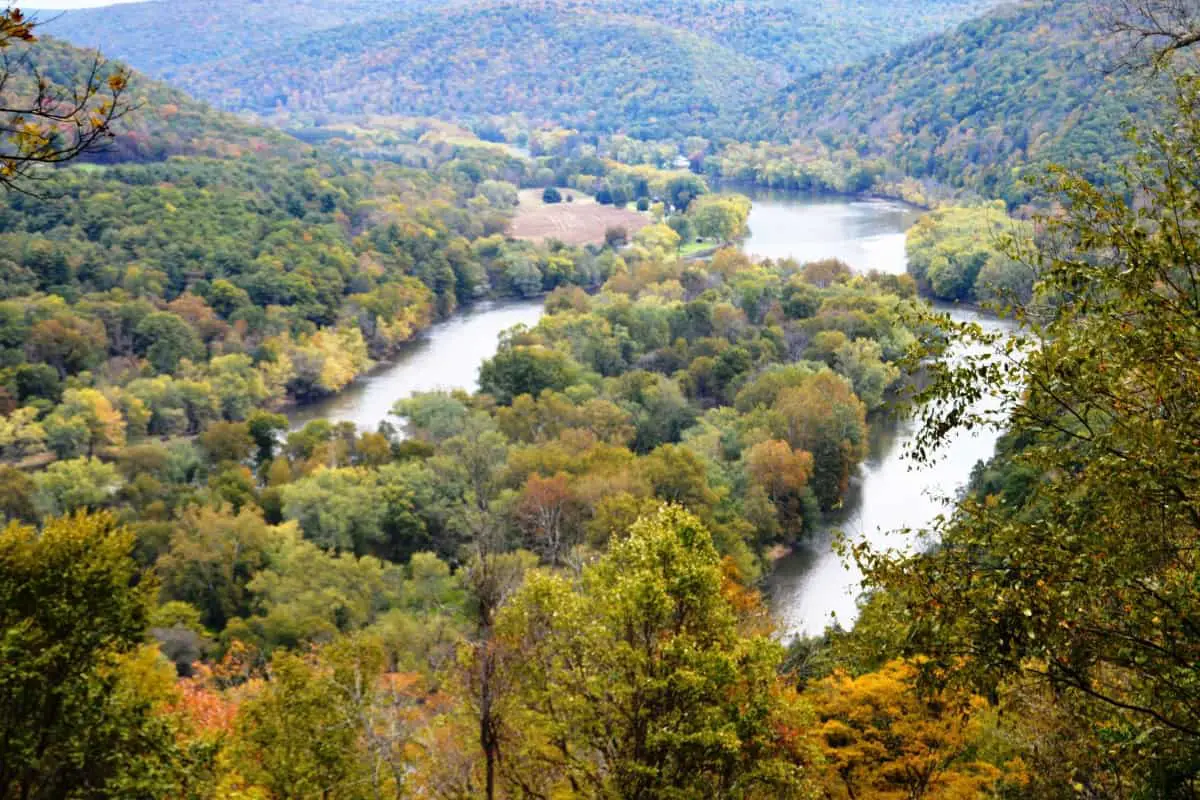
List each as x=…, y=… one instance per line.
x=866, y=234
x=447, y=356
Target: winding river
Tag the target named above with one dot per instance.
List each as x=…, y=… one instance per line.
x=447, y=356
x=811, y=587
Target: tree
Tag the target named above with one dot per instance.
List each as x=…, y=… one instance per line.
x=48, y=124
x=548, y=514
x=77, y=484
x=783, y=474
x=339, y=509
x=84, y=422
x=307, y=595
x=212, y=557
x=720, y=217
x=641, y=682
x=21, y=434
x=882, y=738
x=1083, y=579
x=824, y=417
x=526, y=369
x=265, y=429
x=165, y=339
x=73, y=613
x=17, y=494
x=293, y=737
x=227, y=442
x=66, y=342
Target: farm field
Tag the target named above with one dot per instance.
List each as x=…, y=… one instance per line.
x=580, y=222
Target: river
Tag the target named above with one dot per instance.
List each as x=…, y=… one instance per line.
x=447, y=356
x=811, y=587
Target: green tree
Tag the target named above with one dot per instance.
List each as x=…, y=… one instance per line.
x=212, y=557
x=165, y=339
x=1084, y=578
x=526, y=369
x=640, y=681
x=338, y=509
x=293, y=737
x=73, y=612
x=77, y=484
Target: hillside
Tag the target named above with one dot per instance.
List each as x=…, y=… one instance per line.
x=978, y=107
x=163, y=121
x=650, y=69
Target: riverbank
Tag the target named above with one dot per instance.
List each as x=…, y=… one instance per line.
x=447, y=355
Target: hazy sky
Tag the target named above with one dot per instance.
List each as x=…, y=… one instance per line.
x=57, y=4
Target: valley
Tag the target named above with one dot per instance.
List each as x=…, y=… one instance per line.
x=520, y=399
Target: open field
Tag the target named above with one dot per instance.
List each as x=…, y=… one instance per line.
x=583, y=221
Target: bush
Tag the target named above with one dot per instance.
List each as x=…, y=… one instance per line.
x=551, y=195
x=643, y=204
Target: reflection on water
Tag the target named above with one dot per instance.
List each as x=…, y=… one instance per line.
x=866, y=234
x=447, y=356
x=812, y=587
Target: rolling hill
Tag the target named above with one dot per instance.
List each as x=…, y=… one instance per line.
x=163, y=121
x=984, y=105
x=652, y=69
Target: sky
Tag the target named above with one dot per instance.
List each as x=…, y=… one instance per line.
x=65, y=4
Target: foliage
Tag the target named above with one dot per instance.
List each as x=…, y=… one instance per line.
x=881, y=738
x=960, y=254
x=1077, y=567
x=45, y=122
x=653, y=69
x=78, y=720
x=986, y=105
x=638, y=683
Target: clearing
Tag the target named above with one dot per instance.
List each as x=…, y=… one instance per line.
x=582, y=221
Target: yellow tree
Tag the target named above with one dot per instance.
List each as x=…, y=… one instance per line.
x=882, y=739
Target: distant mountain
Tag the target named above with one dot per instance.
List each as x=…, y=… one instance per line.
x=646, y=67
x=983, y=105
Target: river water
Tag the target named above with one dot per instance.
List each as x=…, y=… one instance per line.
x=811, y=587
x=447, y=356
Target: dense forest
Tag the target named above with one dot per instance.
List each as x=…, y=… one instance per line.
x=651, y=69
x=550, y=586
x=995, y=101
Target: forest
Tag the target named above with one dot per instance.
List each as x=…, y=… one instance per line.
x=658, y=70
x=555, y=584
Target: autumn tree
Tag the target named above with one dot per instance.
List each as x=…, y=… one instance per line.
x=48, y=124
x=824, y=417
x=639, y=682
x=882, y=738
x=548, y=514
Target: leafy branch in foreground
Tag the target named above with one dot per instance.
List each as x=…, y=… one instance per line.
x=42, y=122
x=1085, y=579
